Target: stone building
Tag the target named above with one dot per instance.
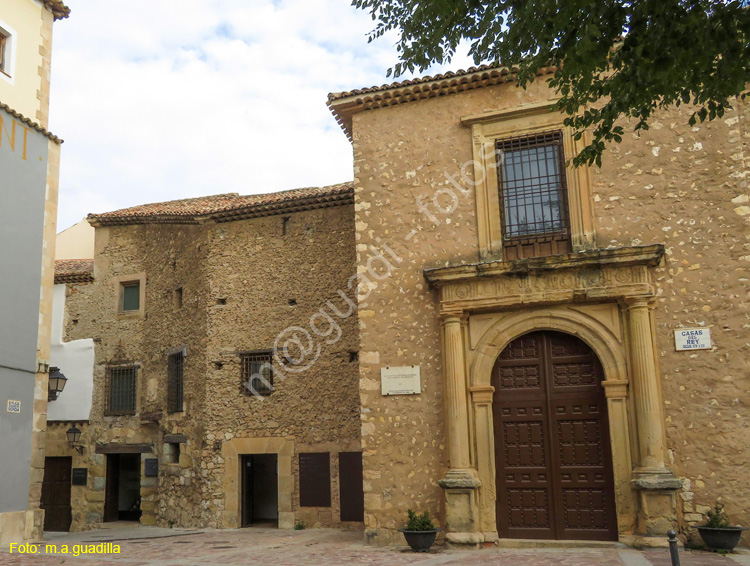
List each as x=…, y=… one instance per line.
x=29, y=169
x=537, y=350
x=206, y=411
x=541, y=302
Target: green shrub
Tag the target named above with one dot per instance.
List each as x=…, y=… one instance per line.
x=421, y=522
x=717, y=518
x=299, y=526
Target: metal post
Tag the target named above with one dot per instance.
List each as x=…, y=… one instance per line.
x=673, y=553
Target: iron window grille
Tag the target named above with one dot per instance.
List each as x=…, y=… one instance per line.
x=121, y=387
x=175, y=381
x=533, y=190
x=257, y=373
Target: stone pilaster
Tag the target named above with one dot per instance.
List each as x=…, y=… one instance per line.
x=460, y=483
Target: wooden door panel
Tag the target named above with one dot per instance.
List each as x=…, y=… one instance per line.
x=55, y=498
x=351, y=487
x=553, y=457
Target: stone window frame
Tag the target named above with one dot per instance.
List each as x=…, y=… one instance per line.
x=119, y=283
x=490, y=127
x=8, y=44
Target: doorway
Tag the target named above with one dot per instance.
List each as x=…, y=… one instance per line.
x=122, y=500
x=260, y=490
x=56, y=493
x=552, y=447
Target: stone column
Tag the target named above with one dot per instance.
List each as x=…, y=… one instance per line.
x=456, y=411
x=460, y=483
x=646, y=388
x=656, y=485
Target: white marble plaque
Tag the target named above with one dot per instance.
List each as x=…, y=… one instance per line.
x=401, y=380
x=692, y=339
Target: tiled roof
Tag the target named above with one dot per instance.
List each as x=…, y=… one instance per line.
x=21, y=118
x=228, y=207
x=344, y=104
x=74, y=270
x=58, y=9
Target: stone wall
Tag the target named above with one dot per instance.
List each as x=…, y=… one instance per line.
x=268, y=278
x=687, y=188
x=243, y=283
x=677, y=185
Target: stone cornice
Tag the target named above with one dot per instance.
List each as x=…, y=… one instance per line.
x=589, y=276
x=649, y=255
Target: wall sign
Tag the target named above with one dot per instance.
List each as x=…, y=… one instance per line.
x=401, y=380
x=692, y=339
x=14, y=406
x=80, y=476
x=151, y=467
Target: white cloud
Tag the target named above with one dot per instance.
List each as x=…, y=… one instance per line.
x=165, y=100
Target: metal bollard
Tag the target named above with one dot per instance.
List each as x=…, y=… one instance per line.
x=673, y=553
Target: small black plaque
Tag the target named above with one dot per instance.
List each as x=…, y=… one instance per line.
x=80, y=476
x=151, y=467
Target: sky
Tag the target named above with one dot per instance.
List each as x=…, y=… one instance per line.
x=162, y=100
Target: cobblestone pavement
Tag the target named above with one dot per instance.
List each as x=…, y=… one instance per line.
x=161, y=547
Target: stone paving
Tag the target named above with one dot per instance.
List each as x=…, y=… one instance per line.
x=162, y=547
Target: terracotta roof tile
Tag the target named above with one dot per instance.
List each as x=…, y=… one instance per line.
x=227, y=207
x=74, y=270
x=20, y=117
x=58, y=9
x=344, y=104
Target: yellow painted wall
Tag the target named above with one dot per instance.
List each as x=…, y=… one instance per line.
x=20, y=92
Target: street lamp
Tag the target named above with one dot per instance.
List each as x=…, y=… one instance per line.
x=74, y=435
x=57, y=383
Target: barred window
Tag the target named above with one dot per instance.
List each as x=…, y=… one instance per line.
x=533, y=195
x=175, y=363
x=120, y=390
x=257, y=373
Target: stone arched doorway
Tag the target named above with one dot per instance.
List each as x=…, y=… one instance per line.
x=552, y=446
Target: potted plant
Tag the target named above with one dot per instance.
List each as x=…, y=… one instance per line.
x=717, y=533
x=420, y=531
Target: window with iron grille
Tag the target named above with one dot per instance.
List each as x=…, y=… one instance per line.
x=257, y=373
x=175, y=363
x=533, y=195
x=120, y=390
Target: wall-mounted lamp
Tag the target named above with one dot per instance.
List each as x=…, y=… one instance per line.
x=57, y=383
x=74, y=435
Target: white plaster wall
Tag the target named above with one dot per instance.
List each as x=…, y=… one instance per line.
x=76, y=361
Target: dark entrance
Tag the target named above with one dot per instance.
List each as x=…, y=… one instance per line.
x=122, y=501
x=351, y=489
x=552, y=449
x=260, y=490
x=56, y=494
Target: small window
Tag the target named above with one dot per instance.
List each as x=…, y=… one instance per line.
x=172, y=450
x=175, y=381
x=121, y=390
x=533, y=196
x=3, y=49
x=178, y=298
x=6, y=51
x=131, y=297
x=314, y=479
x=257, y=373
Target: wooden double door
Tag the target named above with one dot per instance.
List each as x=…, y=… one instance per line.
x=552, y=449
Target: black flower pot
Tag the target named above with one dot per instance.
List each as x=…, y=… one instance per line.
x=725, y=538
x=420, y=541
